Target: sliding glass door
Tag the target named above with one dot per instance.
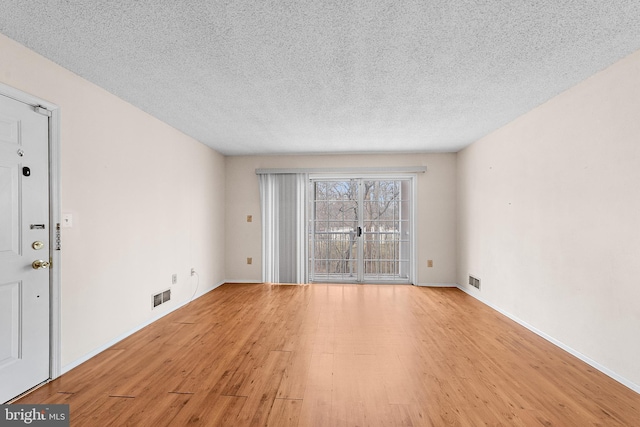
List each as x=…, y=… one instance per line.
x=360, y=230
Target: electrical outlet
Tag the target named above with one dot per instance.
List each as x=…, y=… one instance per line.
x=193, y=271
x=429, y=263
x=174, y=279
x=249, y=218
x=249, y=260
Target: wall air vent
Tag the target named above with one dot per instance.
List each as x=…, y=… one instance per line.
x=161, y=298
x=474, y=281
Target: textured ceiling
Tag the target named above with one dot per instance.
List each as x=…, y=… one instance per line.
x=310, y=76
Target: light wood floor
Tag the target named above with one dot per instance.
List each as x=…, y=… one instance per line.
x=338, y=355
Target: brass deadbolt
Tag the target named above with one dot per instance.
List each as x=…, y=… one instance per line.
x=37, y=245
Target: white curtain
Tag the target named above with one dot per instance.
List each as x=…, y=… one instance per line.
x=283, y=206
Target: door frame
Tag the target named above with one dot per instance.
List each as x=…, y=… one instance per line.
x=55, y=359
x=375, y=175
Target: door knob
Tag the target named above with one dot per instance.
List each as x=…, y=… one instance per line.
x=40, y=264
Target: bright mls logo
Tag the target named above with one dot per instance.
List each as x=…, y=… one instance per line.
x=34, y=415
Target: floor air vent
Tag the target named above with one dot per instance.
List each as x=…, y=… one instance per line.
x=474, y=281
x=161, y=298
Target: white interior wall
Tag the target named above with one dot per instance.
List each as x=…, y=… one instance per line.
x=435, y=211
x=548, y=219
x=147, y=202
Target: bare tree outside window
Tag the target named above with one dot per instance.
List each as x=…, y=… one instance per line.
x=355, y=212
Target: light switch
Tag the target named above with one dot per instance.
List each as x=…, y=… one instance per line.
x=67, y=220
x=249, y=260
x=249, y=218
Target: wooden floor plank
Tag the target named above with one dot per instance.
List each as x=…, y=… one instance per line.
x=294, y=380
x=285, y=413
x=332, y=355
x=261, y=389
x=317, y=401
x=208, y=409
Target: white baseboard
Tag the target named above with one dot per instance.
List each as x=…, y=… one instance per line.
x=587, y=360
x=243, y=281
x=119, y=338
x=437, y=285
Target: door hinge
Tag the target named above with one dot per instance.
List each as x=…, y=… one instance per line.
x=57, y=237
x=42, y=110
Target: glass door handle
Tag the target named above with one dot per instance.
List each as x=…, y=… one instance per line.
x=359, y=231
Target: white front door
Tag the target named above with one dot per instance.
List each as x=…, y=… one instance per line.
x=24, y=248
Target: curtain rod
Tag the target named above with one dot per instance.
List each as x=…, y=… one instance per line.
x=403, y=169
